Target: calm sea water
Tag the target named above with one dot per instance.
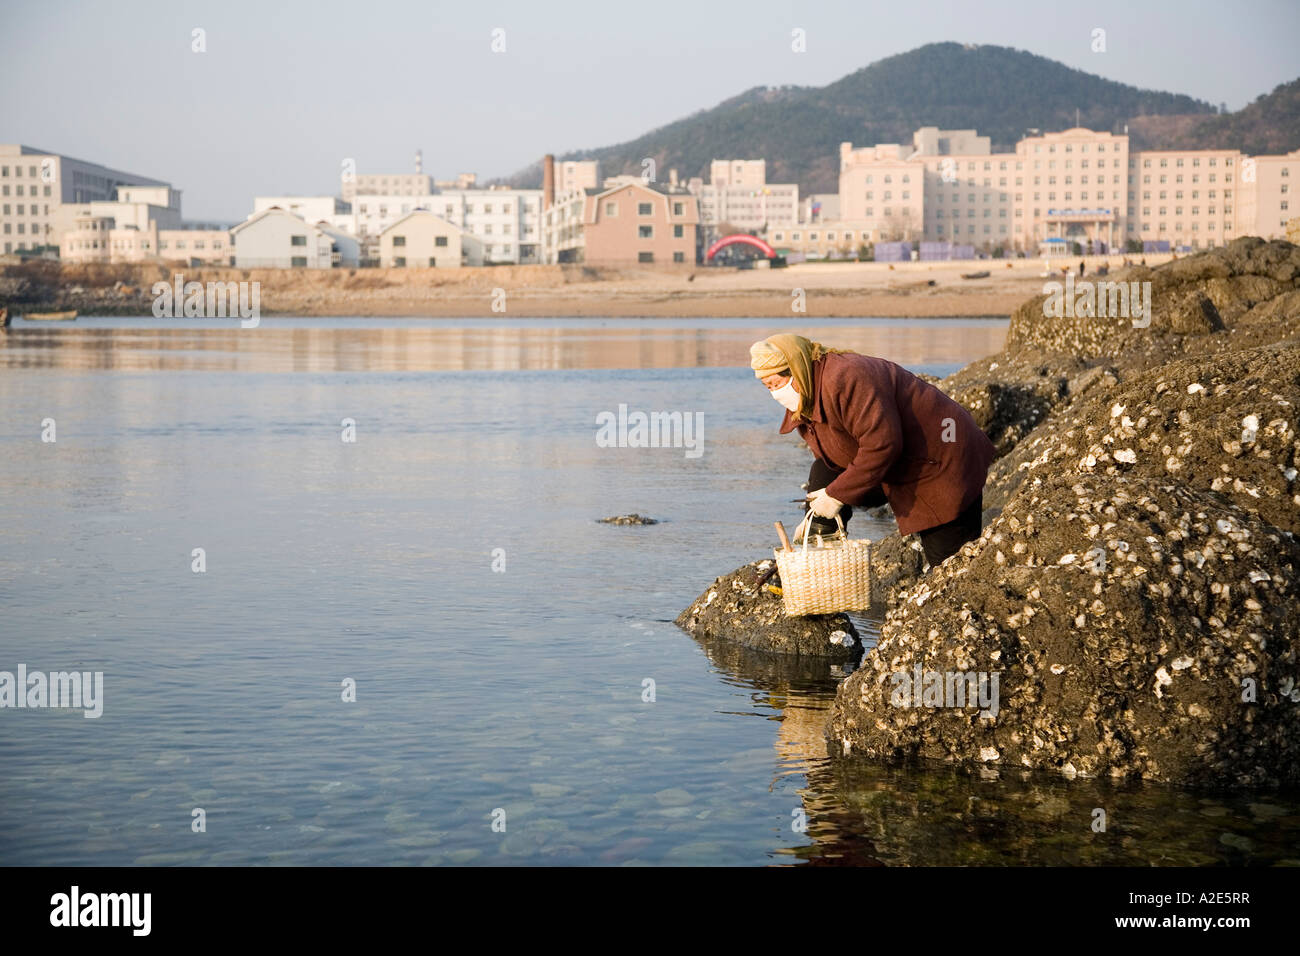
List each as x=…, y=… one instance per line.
x=449, y=562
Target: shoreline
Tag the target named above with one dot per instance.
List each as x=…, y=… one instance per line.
x=801, y=291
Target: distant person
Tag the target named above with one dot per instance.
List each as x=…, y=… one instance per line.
x=1080, y=268
x=1144, y=260
x=878, y=434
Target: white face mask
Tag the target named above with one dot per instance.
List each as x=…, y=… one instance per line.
x=788, y=396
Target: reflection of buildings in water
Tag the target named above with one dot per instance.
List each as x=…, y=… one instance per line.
x=270, y=348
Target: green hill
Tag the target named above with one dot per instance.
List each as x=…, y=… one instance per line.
x=996, y=90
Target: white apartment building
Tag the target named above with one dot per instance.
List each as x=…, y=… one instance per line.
x=328, y=209
x=507, y=222
x=277, y=239
x=563, y=236
x=129, y=229
x=37, y=186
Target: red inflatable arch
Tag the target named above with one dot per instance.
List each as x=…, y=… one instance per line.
x=754, y=241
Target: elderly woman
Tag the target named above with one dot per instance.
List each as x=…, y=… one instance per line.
x=878, y=434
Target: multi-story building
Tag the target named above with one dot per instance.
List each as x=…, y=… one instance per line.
x=1080, y=185
x=738, y=172
x=837, y=239
x=385, y=184
x=197, y=246
x=628, y=222
x=574, y=174
x=882, y=185
x=328, y=209
x=123, y=230
x=507, y=222
x=738, y=197
x=42, y=194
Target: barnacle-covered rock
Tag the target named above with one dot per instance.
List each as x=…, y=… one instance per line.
x=1138, y=627
x=737, y=608
x=1228, y=424
x=1236, y=297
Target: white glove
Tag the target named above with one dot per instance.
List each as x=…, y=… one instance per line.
x=823, y=505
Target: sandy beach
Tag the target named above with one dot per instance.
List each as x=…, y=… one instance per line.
x=823, y=289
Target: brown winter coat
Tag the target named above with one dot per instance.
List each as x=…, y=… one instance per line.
x=887, y=428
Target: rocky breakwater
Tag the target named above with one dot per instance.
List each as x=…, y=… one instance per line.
x=1136, y=594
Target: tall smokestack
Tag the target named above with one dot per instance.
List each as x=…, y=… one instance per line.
x=419, y=161
x=548, y=180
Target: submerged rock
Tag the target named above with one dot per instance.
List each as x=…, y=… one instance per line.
x=736, y=608
x=1137, y=627
x=628, y=519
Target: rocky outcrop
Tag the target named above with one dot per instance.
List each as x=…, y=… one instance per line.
x=1134, y=587
x=1227, y=425
x=737, y=608
x=1137, y=627
x=1239, y=296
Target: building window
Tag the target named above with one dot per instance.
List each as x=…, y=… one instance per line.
x=399, y=240
x=677, y=232
x=644, y=209
x=679, y=257
x=645, y=232
x=399, y=261
x=298, y=262
x=645, y=257
x=611, y=209
x=293, y=241
x=440, y=241
x=679, y=209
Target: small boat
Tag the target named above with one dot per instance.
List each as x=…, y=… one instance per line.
x=975, y=275
x=51, y=316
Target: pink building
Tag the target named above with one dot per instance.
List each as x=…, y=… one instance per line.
x=639, y=223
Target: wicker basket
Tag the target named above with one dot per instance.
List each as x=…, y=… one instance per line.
x=826, y=579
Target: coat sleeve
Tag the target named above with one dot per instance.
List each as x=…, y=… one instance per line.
x=867, y=411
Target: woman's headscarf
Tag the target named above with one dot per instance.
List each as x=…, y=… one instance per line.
x=792, y=353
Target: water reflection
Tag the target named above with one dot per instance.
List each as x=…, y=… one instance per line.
x=319, y=345
x=871, y=813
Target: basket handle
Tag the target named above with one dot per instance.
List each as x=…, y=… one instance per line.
x=808, y=520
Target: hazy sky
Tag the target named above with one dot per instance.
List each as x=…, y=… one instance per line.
x=286, y=90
